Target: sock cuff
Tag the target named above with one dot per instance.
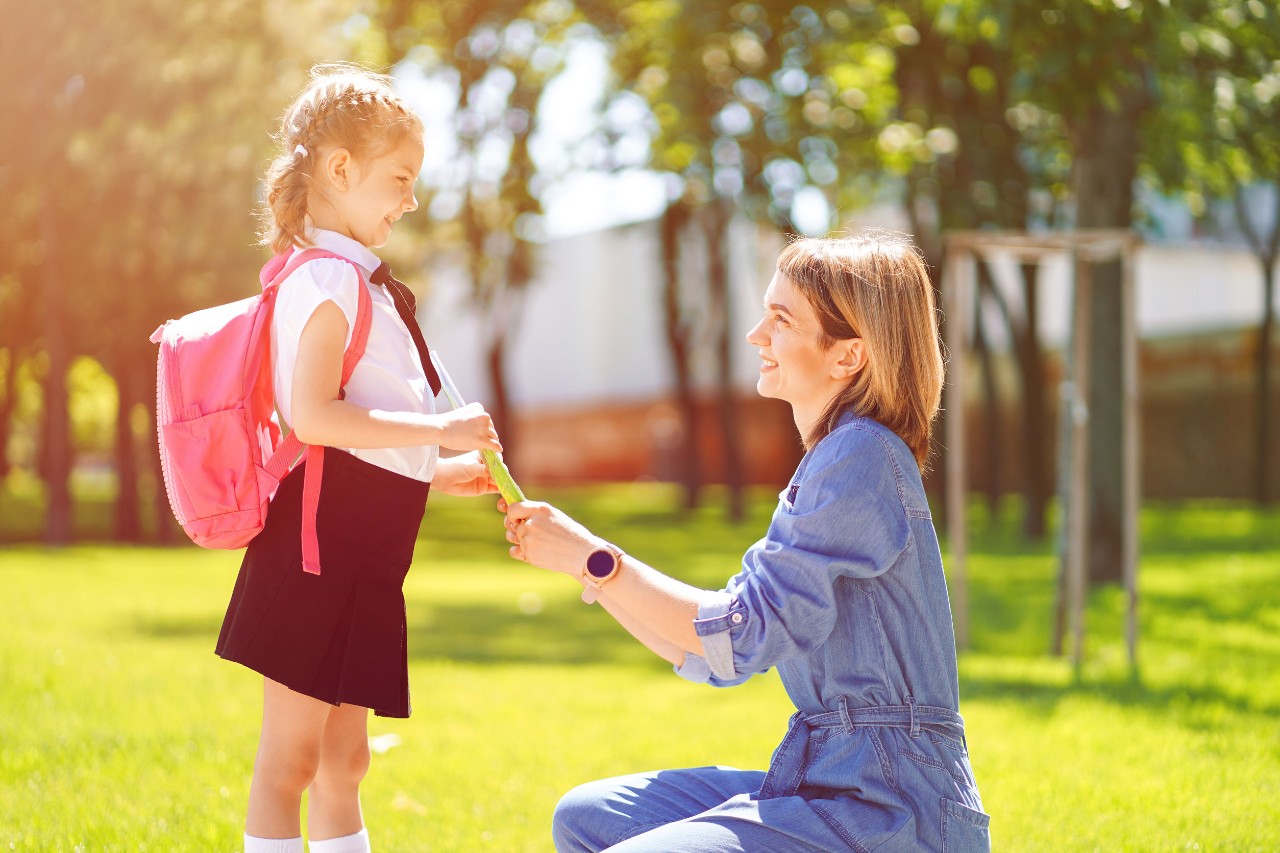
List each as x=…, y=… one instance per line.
x=356, y=842
x=253, y=844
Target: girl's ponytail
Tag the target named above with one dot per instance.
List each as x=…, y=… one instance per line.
x=288, y=179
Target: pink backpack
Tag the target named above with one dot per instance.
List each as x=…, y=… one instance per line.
x=221, y=449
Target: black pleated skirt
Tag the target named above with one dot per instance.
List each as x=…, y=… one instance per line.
x=339, y=636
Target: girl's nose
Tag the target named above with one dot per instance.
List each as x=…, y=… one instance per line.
x=413, y=202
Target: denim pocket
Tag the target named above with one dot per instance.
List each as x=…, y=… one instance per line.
x=964, y=830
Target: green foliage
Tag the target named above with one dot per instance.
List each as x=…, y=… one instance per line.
x=1227, y=92
x=149, y=153
x=122, y=731
x=752, y=102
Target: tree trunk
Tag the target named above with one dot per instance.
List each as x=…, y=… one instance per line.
x=1265, y=496
x=495, y=361
x=166, y=526
x=1027, y=352
x=1266, y=251
x=1035, y=418
x=499, y=312
x=990, y=396
x=7, y=406
x=57, y=417
x=679, y=344
x=1104, y=167
x=935, y=477
x=716, y=219
x=128, y=521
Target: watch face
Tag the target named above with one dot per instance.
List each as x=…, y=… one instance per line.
x=600, y=563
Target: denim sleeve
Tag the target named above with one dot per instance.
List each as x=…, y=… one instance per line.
x=841, y=517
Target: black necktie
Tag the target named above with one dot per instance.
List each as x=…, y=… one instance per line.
x=405, y=304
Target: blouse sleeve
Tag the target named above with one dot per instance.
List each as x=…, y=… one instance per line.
x=840, y=517
x=312, y=284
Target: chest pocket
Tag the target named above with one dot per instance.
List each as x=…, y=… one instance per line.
x=787, y=497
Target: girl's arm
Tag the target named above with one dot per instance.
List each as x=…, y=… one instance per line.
x=656, y=609
x=319, y=417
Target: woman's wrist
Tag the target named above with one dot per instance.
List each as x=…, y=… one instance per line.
x=602, y=564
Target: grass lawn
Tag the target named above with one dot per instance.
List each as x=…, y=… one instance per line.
x=120, y=730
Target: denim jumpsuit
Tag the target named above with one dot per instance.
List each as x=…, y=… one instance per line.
x=845, y=595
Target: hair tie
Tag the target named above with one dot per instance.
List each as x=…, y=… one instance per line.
x=299, y=150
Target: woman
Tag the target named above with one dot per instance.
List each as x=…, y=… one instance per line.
x=845, y=595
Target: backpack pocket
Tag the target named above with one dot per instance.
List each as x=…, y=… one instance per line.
x=214, y=479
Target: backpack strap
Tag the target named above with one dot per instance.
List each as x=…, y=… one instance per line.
x=291, y=449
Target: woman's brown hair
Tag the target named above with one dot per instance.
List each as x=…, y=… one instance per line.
x=875, y=286
x=344, y=106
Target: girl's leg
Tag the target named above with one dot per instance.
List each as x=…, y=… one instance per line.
x=333, y=809
x=288, y=753
x=598, y=815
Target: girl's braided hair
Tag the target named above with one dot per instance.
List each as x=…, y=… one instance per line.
x=344, y=106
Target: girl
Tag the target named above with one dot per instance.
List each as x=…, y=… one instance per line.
x=332, y=645
x=845, y=595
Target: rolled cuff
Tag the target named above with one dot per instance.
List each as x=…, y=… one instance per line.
x=694, y=669
x=716, y=615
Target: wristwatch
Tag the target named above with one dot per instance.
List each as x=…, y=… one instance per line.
x=602, y=566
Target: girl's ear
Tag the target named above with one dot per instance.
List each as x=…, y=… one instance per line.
x=337, y=169
x=852, y=358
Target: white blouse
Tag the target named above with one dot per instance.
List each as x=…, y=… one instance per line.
x=389, y=376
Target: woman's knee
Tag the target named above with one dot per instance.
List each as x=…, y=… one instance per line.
x=580, y=822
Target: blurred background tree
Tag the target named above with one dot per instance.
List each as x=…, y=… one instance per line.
x=131, y=155
x=493, y=62
x=1226, y=148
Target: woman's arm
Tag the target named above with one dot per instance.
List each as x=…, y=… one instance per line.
x=656, y=609
x=319, y=417
x=669, y=652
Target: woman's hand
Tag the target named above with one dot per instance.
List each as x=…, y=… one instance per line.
x=466, y=476
x=469, y=428
x=543, y=536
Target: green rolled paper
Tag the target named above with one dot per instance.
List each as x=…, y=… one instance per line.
x=497, y=468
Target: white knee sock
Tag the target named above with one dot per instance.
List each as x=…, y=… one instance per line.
x=357, y=842
x=272, y=845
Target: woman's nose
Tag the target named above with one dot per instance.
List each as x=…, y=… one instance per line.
x=756, y=337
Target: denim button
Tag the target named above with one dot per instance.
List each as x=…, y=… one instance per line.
x=736, y=618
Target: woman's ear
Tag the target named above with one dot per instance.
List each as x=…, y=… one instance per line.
x=337, y=169
x=852, y=358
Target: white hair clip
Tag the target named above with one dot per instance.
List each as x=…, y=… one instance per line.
x=299, y=150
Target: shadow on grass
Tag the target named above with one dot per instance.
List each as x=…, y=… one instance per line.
x=560, y=633
x=1124, y=692
x=176, y=627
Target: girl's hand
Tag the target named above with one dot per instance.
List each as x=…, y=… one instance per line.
x=466, y=476
x=543, y=536
x=469, y=428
